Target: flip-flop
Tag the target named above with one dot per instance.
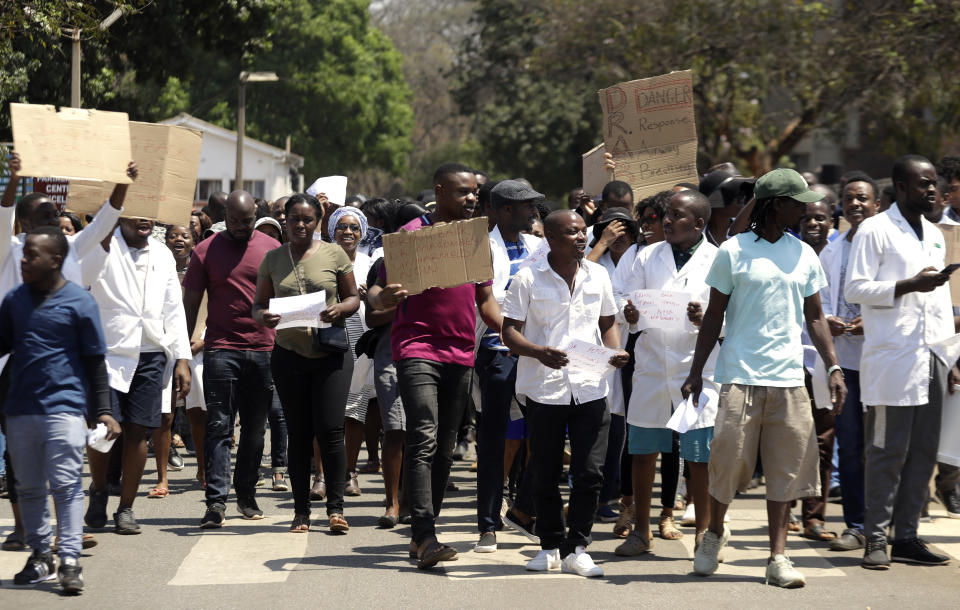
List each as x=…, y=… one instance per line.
x=158, y=492
x=818, y=532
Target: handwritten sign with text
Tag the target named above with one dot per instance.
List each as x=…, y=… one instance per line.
x=661, y=308
x=650, y=129
x=588, y=358
x=439, y=256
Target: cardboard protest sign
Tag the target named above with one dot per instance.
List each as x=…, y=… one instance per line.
x=595, y=177
x=439, y=256
x=951, y=238
x=649, y=128
x=168, y=158
x=72, y=143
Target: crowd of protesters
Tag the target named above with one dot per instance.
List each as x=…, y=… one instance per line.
x=808, y=346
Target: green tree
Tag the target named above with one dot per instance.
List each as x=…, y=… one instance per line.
x=341, y=94
x=766, y=72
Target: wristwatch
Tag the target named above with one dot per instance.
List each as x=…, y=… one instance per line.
x=835, y=367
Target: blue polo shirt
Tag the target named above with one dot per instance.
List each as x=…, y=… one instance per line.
x=48, y=338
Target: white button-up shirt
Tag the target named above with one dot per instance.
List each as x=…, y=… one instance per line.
x=664, y=356
x=897, y=331
x=552, y=315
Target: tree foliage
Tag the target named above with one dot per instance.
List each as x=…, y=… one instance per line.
x=766, y=72
x=341, y=95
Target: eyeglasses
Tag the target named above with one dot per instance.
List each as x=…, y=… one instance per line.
x=342, y=226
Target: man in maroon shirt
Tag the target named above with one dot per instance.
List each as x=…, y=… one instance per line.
x=236, y=356
x=433, y=337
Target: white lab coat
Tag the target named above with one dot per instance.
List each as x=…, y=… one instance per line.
x=128, y=315
x=663, y=356
x=615, y=378
x=897, y=331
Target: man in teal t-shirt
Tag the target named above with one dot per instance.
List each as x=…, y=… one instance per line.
x=766, y=283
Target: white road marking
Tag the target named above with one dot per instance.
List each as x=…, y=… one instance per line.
x=232, y=556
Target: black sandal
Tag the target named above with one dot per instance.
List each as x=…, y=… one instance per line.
x=432, y=552
x=819, y=533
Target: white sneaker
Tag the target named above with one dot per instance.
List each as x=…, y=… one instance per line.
x=545, y=560
x=579, y=562
x=689, y=518
x=781, y=573
x=706, y=559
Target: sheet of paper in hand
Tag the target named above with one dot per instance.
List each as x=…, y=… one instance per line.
x=686, y=415
x=662, y=309
x=948, y=350
x=302, y=310
x=948, y=451
x=588, y=358
x=334, y=187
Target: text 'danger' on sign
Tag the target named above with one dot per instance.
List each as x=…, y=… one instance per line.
x=650, y=129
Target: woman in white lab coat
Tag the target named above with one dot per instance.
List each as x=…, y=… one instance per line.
x=664, y=355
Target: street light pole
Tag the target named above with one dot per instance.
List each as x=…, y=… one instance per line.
x=241, y=126
x=246, y=77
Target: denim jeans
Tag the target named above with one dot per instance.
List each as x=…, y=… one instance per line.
x=498, y=374
x=278, y=435
x=235, y=383
x=434, y=395
x=587, y=425
x=48, y=450
x=313, y=392
x=849, y=432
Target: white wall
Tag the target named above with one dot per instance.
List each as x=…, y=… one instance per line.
x=218, y=161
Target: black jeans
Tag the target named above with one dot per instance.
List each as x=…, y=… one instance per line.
x=498, y=374
x=434, y=395
x=587, y=424
x=313, y=392
x=278, y=435
x=235, y=382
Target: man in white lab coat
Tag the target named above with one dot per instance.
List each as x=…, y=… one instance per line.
x=134, y=281
x=895, y=275
x=663, y=356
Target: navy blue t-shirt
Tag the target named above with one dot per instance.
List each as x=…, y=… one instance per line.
x=48, y=338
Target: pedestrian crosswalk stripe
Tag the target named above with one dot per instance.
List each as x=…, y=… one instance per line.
x=243, y=552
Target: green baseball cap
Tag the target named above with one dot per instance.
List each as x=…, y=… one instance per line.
x=784, y=182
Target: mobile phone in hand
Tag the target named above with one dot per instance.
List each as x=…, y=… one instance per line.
x=950, y=268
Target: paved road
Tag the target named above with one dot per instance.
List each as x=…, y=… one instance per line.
x=259, y=564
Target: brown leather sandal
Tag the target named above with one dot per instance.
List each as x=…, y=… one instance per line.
x=338, y=523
